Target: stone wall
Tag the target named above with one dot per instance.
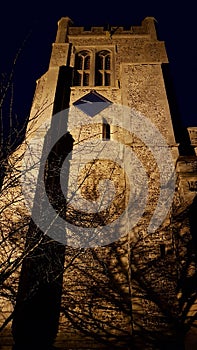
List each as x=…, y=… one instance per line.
x=132, y=288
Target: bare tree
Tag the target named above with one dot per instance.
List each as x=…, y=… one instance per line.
x=120, y=295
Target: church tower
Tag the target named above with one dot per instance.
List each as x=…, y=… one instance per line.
x=109, y=189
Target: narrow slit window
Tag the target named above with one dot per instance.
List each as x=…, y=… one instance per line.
x=106, y=131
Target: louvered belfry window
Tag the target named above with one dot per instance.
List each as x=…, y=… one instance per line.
x=93, y=69
x=103, y=68
x=82, y=69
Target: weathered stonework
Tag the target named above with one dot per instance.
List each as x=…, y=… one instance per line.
x=127, y=293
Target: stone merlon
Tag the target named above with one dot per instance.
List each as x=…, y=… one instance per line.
x=65, y=28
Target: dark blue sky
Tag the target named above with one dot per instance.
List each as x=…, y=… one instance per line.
x=37, y=24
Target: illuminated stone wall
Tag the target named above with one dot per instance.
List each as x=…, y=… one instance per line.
x=129, y=287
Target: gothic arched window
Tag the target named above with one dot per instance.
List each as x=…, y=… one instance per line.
x=82, y=68
x=103, y=68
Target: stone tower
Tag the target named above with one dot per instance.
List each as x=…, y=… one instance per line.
x=104, y=282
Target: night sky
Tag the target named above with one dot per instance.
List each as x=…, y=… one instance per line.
x=31, y=28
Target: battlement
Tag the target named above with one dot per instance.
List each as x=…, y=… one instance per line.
x=103, y=30
x=66, y=30
x=192, y=131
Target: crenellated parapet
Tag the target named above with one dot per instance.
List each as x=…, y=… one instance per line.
x=192, y=131
x=65, y=30
x=111, y=224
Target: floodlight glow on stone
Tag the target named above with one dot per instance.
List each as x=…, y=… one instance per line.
x=87, y=103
